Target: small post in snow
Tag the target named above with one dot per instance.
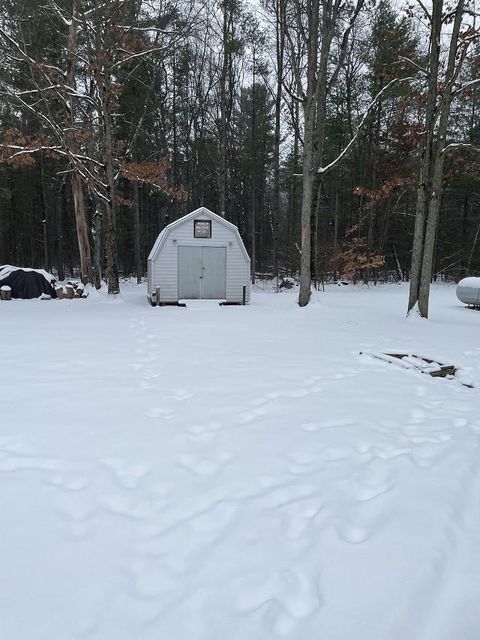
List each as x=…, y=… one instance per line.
x=5, y=292
x=244, y=295
x=157, y=296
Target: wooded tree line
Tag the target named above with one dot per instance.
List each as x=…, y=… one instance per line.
x=335, y=133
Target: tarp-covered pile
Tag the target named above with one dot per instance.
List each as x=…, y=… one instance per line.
x=27, y=283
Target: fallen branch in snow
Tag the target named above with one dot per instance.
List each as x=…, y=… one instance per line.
x=432, y=367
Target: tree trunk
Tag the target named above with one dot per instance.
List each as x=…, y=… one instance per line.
x=46, y=262
x=307, y=200
x=280, y=11
x=82, y=229
x=77, y=190
x=136, y=224
x=423, y=189
x=59, y=231
x=308, y=175
x=253, y=168
x=222, y=138
x=110, y=217
x=436, y=156
x=315, y=113
x=97, y=245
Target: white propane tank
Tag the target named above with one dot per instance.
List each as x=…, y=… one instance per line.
x=468, y=291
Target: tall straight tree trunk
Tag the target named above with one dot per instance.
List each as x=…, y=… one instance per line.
x=253, y=168
x=110, y=217
x=307, y=201
x=429, y=200
x=46, y=261
x=424, y=179
x=77, y=188
x=308, y=176
x=82, y=229
x=335, y=218
x=280, y=13
x=222, y=138
x=97, y=247
x=136, y=225
x=292, y=217
x=59, y=231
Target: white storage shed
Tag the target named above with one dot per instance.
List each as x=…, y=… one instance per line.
x=199, y=256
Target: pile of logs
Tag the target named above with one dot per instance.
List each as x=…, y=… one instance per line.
x=71, y=290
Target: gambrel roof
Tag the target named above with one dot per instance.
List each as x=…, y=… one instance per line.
x=160, y=241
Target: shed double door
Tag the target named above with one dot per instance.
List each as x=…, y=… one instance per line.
x=202, y=272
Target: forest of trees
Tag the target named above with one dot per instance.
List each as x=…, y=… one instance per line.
x=338, y=135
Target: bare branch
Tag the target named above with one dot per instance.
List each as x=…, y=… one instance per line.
x=331, y=165
x=427, y=14
x=460, y=145
x=344, y=45
x=414, y=64
x=467, y=85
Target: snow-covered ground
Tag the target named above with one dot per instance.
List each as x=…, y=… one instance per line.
x=238, y=473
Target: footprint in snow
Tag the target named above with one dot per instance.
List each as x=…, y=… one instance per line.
x=11, y=463
x=204, y=466
x=70, y=484
x=365, y=493
x=78, y=511
x=10, y=444
x=125, y=506
x=426, y=455
x=363, y=447
x=250, y=416
x=284, y=597
x=306, y=461
x=182, y=394
x=310, y=426
x=352, y=534
x=389, y=453
x=373, y=481
x=417, y=416
x=430, y=439
x=297, y=393
x=300, y=517
x=337, y=422
x=128, y=474
x=274, y=395
x=214, y=520
x=204, y=433
x=286, y=495
x=159, y=412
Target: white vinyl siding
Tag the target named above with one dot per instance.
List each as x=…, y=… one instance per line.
x=163, y=259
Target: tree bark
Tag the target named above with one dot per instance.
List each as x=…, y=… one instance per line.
x=222, y=138
x=46, y=261
x=280, y=18
x=436, y=155
x=136, y=224
x=424, y=179
x=82, y=229
x=97, y=248
x=59, y=231
x=77, y=189
x=110, y=213
x=308, y=176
